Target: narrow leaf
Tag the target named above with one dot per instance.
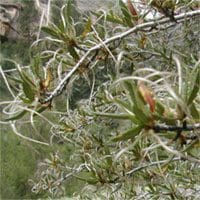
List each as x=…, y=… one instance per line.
x=127, y=16
x=195, y=88
x=130, y=134
x=160, y=109
x=25, y=77
x=142, y=117
x=51, y=31
x=111, y=17
x=87, y=27
x=28, y=91
x=194, y=112
x=73, y=52
x=35, y=66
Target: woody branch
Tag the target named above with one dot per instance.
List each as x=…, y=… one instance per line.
x=140, y=27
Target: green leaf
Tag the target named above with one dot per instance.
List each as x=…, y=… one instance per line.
x=88, y=177
x=111, y=17
x=25, y=77
x=67, y=12
x=29, y=88
x=130, y=134
x=40, y=110
x=87, y=27
x=139, y=109
x=136, y=98
x=127, y=16
x=73, y=52
x=28, y=91
x=18, y=116
x=194, y=112
x=141, y=116
x=160, y=109
x=25, y=100
x=124, y=105
x=195, y=87
x=51, y=31
x=35, y=66
x=128, y=109
x=15, y=79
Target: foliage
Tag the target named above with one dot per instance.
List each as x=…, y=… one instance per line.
x=132, y=97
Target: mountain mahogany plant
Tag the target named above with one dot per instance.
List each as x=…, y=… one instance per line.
x=123, y=91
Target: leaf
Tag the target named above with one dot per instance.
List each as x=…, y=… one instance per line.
x=141, y=113
x=51, y=31
x=29, y=88
x=195, y=87
x=130, y=134
x=88, y=177
x=18, y=116
x=194, y=112
x=69, y=11
x=25, y=100
x=15, y=79
x=130, y=88
x=28, y=91
x=35, y=66
x=127, y=16
x=141, y=116
x=125, y=106
x=87, y=27
x=40, y=110
x=73, y=52
x=111, y=17
x=160, y=109
x=25, y=77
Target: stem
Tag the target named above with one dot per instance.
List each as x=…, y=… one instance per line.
x=140, y=27
x=159, y=128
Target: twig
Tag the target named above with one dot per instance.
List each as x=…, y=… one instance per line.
x=74, y=171
x=160, y=128
x=151, y=164
x=175, y=152
x=140, y=27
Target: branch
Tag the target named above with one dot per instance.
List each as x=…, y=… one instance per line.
x=140, y=27
x=74, y=171
x=160, y=128
x=152, y=164
x=175, y=152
